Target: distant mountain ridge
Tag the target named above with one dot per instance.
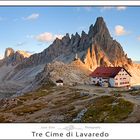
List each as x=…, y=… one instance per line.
x=14, y=58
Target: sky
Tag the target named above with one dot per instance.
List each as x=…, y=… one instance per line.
x=33, y=29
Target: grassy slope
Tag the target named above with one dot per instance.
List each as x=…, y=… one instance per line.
x=62, y=104
x=108, y=109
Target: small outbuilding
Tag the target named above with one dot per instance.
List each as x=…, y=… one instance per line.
x=111, y=76
x=59, y=82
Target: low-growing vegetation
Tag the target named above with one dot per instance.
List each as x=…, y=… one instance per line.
x=28, y=109
x=63, y=104
x=108, y=109
x=135, y=92
x=69, y=98
x=33, y=95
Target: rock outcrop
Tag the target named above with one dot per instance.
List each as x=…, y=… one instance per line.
x=95, y=48
x=75, y=72
x=9, y=52
x=14, y=58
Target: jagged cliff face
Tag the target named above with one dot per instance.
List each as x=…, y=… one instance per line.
x=106, y=48
x=13, y=58
x=96, y=48
x=9, y=52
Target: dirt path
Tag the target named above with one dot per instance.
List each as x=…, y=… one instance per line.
x=133, y=99
x=135, y=115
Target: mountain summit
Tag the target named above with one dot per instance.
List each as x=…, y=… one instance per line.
x=14, y=58
x=95, y=48
x=99, y=28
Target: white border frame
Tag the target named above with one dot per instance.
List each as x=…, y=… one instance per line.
x=23, y=131
x=69, y=3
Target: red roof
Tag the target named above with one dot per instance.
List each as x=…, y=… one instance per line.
x=107, y=72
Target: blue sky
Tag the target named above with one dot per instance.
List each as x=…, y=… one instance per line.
x=32, y=29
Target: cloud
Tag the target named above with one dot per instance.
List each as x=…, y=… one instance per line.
x=88, y=8
x=30, y=36
x=33, y=16
x=20, y=43
x=120, y=30
x=47, y=37
x=84, y=8
x=107, y=8
x=119, y=8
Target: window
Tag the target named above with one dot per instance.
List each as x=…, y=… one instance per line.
x=126, y=82
x=121, y=83
x=116, y=84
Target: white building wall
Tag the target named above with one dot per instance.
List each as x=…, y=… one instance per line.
x=94, y=80
x=122, y=79
x=59, y=84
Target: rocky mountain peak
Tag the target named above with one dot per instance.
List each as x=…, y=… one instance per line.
x=99, y=28
x=83, y=34
x=14, y=57
x=94, y=49
x=66, y=39
x=67, y=35
x=77, y=35
x=9, y=52
x=23, y=53
x=100, y=21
